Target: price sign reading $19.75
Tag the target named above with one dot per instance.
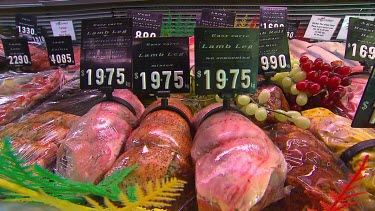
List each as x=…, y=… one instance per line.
x=105, y=76
x=226, y=60
x=220, y=79
x=161, y=79
x=360, y=43
x=161, y=64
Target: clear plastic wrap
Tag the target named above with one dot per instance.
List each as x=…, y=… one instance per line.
x=94, y=142
x=336, y=132
x=37, y=137
x=237, y=166
x=161, y=148
x=313, y=170
x=20, y=93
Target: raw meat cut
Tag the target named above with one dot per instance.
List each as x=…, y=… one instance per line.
x=16, y=98
x=95, y=141
x=313, y=170
x=37, y=137
x=161, y=148
x=237, y=166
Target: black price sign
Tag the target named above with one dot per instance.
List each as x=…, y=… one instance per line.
x=365, y=114
x=272, y=17
x=217, y=18
x=60, y=50
x=273, y=50
x=106, y=53
x=360, y=44
x=40, y=35
x=146, y=24
x=26, y=25
x=161, y=64
x=226, y=60
x=17, y=51
x=292, y=28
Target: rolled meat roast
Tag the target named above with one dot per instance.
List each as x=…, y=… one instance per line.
x=94, y=142
x=237, y=166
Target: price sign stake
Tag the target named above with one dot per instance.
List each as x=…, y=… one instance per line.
x=274, y=51
x=360, y=43
x=60, y=50
x=106, y=53
x=226, y=60
x=161, y=64
x=17, y=51
x=365, y=114
x=146, y=24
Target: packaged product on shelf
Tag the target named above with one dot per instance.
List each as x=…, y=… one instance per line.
x=95, y=141
x=336, y=132
x=237, y=167
x=37, y=137
x=313, y=171
x=161, y=148
x=20, y=93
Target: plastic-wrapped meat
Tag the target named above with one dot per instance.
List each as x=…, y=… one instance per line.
x=237, y=166
x=349, y=103
x=95, y=141
x=313, y=170
x=161, y=148
x=37, y=137
x=18, y=94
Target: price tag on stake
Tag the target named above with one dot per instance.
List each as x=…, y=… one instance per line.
x=360, y=43
x=17, y=51
x=146, y=24
x=273, y=51
x=217, y=18
x=365, y=114
x=226, y=60
x=161, y=64
x=106, y=53
x=273, y=17
x=60, y=50
x=26, y=25
x=292, y=28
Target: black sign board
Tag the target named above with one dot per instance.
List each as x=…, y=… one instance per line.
x=40, y=35
x=273, y=50
x=26, y=25
x=161, y=64
x=272, y=17
x=60, y=50
x=146, y=24
x=360, y=44
x=217, y=18
x=17, y=51
x=292, y=28
x=106, y=53
x=8, y=31
x=365, y=114
x=226, y=60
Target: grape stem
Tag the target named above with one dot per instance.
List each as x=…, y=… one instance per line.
x=270, y=109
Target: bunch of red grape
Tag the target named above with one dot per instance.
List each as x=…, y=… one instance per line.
x=323, y=79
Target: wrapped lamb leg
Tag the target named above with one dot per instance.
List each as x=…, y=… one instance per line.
x=237, y=166
x=95, y=141
x=161, y=148
x=313, y=170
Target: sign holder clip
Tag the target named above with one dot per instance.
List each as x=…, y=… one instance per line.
x=108, y=91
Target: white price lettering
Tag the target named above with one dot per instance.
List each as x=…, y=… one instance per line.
x=18, y=60
x=26, y=30
x=221, y=78
x=364, y=51
x=272, y=25
x=156, y=79
x=290, y=35
x=273, y=62
x=105, y=76
x=61, y=58
x=139, y=34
